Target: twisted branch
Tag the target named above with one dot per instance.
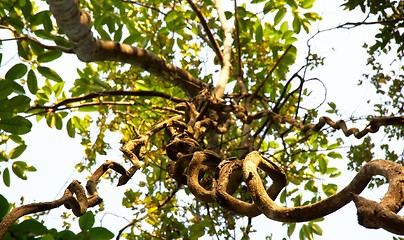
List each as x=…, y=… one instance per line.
x=74, y=196
x=372, y=127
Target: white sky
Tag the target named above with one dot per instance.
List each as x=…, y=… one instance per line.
x=54, y=154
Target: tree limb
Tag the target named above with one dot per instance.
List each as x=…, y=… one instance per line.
x=227, y=44
x=139, y=93
x=77, y=26
x=205, y=26
x=74, y=196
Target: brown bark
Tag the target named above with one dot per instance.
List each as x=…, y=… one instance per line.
x=77, y=26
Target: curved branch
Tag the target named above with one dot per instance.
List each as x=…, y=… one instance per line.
x=77, y=26
x=392, y=202
x=74, y=196
x=18, y=212
x=372, y=127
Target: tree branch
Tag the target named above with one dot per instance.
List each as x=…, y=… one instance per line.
x=77, y=26
x=205, y=26
x=372, y=127
x=20, y=36
x=393, y=200
x=227, y=44
x=74, y=196
x=139, y=93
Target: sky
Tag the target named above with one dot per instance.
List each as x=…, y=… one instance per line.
x=54, y=154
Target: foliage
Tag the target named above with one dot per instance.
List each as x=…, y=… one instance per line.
x=110, y=97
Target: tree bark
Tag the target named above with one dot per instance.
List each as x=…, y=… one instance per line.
x=77, y=26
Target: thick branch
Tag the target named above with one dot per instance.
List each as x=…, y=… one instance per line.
x=393, y=200
x=74, y=196
x=227, y=44
x=77, y=26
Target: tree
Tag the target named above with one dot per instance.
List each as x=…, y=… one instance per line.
x=206, y=104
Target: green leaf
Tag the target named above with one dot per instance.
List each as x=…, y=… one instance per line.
x=296, y=25
x=49, y=74
x=47, y=237
x=317, y=229
x=329, y=189
x=291, y=229
x=307, y=4
x=196, y=230
x=18, y=168
x=49, y=56
x=4, y=157
x=17, y=151
x=258, y=33
x=171, y=16
x=86, y=221
x=279, y=16
x=17, y=125
x=55, y=120
x=6, y=88
x=32, y=82
x=58, y=88
x=16, y=72
x=334, y=155
x=71, y=130
x=31, y=226
x=100, y=233
x=4, y=207
x=333, y=146
x=322, y=163
x=19, y=103
x=6, y=177
x=23, y=50
x=66, y=234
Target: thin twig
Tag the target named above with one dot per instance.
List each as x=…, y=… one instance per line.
x=205, y=26
x=271, y=71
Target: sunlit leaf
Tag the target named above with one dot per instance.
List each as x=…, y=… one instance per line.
x=17, y=151
x=279, y=16
x=322, y=163
x=70, y=128
x=20, y=167
x=329, y=189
